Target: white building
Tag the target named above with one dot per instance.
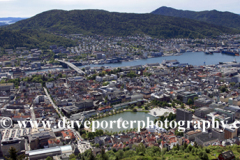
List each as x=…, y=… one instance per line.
x=114, y=76
x=99, y=79
x=39, y=98
x=49, y=84
x=156, y=129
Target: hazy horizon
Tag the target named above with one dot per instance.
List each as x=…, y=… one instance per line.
x=29, y=8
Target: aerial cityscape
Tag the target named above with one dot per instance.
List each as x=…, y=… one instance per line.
x=69, y=78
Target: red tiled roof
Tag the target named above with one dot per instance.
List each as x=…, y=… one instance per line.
x=124, y=136
x=108, y=70
x=103, y=108
x=151, y=139
x=172, y=140
x=51, y=141
x=68, y=133
x=21, y=116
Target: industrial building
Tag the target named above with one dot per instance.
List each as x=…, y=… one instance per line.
x=44, y=153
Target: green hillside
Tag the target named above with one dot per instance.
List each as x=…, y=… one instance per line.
x=31, y=39
x=182, y=152
x=226, y=19
x=119, y=24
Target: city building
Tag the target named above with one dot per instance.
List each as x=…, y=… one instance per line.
x=44, y=153
x=183, y=115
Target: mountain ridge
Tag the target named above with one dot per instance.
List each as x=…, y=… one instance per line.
x=215, y=17
x=119, y=24
x=31, y=39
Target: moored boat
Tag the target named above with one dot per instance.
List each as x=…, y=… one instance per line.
x=229, y=53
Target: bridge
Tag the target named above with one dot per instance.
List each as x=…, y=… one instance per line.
x=72, y=66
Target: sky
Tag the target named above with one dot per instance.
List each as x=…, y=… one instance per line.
x=29, y=8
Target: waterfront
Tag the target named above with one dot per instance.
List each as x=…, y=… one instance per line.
x=193, y=58
x=128, y=116
x=43, y=70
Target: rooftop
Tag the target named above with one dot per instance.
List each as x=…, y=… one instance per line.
x=6, y=84
x=205, y=137
x=61, y=149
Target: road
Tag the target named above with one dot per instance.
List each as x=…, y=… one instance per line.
x=51, y=101
x=32, y=113
x=76, y=133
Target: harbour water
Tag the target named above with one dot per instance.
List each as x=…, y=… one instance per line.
x=128, y=116
x=193, y=58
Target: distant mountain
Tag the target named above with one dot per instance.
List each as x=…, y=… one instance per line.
x=226, y=19
x=9, y=20
x=31, y=39
x=118, y=24
x=2, y=24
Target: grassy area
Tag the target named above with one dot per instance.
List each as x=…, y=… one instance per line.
x=212, y=154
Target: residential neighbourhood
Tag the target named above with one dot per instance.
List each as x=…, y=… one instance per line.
x=164, y=90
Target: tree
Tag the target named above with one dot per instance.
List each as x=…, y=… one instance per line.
x=103, y=155
x=90, y=135
x=185, y=145
x=72, y=157
x=223, y=88
x=13, y=154
x=106, y=99
x=49, y=158
x=153, y=151
x=193, y=151
x=195, y=145
x=84, y=136
x=131, y=74
x=134, y=110
x=88, y=155
x=105, y=83
x=177, y=133
x=190, y=101
x=120, y=154
x=195, y=98
x=203, y=155
x=99, y=132
x=207, y=150
x=176, y=147
x=140, y=149
x=182, y=105
x=189, y=147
